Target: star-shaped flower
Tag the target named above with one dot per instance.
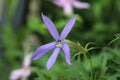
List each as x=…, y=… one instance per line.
x=68, y=5
x=23, y=72
x=57, y=45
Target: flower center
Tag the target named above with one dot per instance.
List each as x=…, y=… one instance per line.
x=59, y=44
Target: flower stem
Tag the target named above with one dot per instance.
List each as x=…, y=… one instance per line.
x=90, y=61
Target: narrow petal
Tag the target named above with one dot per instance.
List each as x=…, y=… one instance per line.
x=67, y=28
x=42, y=50
x=66, y=51
x=53, y=58
x=59, y=3
x=27, y=60
x=19, y=73
x=81, y=5
x=26, y=72
x=51, y=27
x=67, y=8
x=16, y=74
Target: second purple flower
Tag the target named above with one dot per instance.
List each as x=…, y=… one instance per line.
x=57, y=45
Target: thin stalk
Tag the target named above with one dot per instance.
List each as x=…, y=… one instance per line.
x=90, y=61
x=78, y=57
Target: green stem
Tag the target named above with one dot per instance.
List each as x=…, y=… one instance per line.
x=78, y=57
x=90, y=65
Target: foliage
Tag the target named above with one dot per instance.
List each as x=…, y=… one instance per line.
x=98, y=24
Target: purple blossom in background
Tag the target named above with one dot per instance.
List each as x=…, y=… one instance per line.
x=57, y=45
x=68, y=5
x=23, y=72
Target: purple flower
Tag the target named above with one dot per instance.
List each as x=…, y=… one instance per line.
x=57, y=45
x=23, y=72
x=68, y=5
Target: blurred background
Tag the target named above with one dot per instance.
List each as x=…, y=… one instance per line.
x=23, y=31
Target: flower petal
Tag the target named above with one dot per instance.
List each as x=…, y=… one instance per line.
x=42, y=50
x=67, y=28
x=53, y=58
x=81, y=5
x=51, y=27
x=67, y=8
x=66, y=51
x=20, y=73
x=27, y=60
x=16, y=74
x=59, y=3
